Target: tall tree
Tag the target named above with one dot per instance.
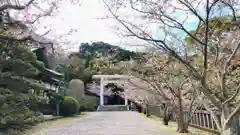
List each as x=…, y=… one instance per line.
x=165, y=16
x=169, y=80
x=19, y=71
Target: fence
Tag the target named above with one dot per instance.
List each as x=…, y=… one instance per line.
x=200, y=119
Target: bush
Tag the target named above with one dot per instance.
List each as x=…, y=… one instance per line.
x=15, y=111
x=69, y=106
x=89, y=103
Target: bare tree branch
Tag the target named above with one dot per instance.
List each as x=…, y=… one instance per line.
x=188, y=5
x=15, y=7
x=223, y=77
x=232, y=97
x=232, y=114
x=232, y=8
x=160, y=43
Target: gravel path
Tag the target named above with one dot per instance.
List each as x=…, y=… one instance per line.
x=107, y=123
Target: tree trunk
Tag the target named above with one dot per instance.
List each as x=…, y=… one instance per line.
x=182, y=124
x=229, y=131
x=165, y=118
x=182, y=127
x=57, y=109
x=232, y=128
x=166, y=115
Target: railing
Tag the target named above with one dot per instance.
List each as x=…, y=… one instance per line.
x=203, y=119
x=200, y=119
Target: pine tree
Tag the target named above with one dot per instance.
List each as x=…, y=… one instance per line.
x=19, y=71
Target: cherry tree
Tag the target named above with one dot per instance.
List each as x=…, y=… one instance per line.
x=171, y=19
x=21, y=20
x=165, y=77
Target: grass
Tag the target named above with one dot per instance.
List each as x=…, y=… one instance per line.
x=172, y=127
x=47, y=124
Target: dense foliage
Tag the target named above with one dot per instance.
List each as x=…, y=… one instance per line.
x=105, y=50
x=19, y=70
x=89, y=103
x=69, y=106
x=95, y=58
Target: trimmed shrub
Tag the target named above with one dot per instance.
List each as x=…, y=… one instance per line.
x=69, y=106
x=89, y=103
x=15, y=111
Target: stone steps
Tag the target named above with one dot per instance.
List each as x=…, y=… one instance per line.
x=113, y=108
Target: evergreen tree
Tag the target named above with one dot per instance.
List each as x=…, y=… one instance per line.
x=19, y=71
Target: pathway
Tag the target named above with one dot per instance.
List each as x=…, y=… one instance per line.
x=107, y=123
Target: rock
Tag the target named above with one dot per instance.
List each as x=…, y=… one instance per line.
x=76, y=89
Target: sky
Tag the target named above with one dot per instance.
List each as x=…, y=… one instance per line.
x=84, y=18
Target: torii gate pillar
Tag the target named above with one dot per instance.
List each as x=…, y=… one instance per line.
x=102, y=91
x=126, y=100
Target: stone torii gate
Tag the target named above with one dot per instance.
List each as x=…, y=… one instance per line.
x=105, y=79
